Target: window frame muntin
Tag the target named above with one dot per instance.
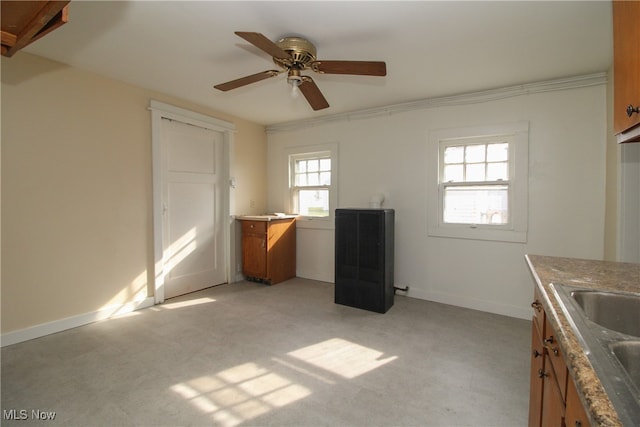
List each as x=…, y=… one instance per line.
x=295, y=189
x=481, y=140
x=442, y=185
x=518, y=175
x=294, y=158
x=314, y=222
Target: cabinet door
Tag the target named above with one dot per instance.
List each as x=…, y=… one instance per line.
x=536, y=376
x=254, y=255
x=538, y=311
x=555, y=356
x=254, y=249
x=575, y=416
x=626, y=64
x=552, y=404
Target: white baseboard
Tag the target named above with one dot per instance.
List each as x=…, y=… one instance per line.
x=48, y=328
x=472, y=303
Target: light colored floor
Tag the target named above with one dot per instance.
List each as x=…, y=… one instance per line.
x=250, y=354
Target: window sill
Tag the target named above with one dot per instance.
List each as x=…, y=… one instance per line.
x=479, y=233
x=321, y=223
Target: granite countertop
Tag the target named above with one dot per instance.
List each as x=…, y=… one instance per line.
x=602, y=275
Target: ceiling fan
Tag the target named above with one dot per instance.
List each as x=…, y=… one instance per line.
x=294, y=55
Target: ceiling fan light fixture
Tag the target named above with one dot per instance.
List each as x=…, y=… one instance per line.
x=295, y=92
x=294, y=79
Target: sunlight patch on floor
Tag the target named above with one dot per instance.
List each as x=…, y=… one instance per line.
x=342, y=357
x=307, y=372
x=187, y=303
x=241, y=393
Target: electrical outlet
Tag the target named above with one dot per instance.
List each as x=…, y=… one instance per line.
x=252, y=203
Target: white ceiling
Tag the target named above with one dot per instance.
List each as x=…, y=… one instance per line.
x=431, y=48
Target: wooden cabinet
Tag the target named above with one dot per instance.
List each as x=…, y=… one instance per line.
x=552, y=403
x=254, y=252
x=536, y=376
x=575, y=415
x=626, y=70
x=553, y=399
x=269, y=250
x=538, y=312
x=24, y=22
x=554, y=355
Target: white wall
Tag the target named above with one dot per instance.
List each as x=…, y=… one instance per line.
x=77, y=236
x=629, y=234
x=387, y=154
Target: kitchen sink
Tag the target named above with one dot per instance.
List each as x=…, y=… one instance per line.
x=619, y=312
x=628, y=354
x=607, y=324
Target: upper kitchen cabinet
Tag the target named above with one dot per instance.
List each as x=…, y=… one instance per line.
x=626, y=70
x=24, y=22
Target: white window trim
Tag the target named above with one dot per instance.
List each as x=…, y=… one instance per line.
x=324, y=222
x=516, y=231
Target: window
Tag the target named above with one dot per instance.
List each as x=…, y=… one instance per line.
x=480, y=185
x=312, y=184
x=311, y=181
x=475, y=181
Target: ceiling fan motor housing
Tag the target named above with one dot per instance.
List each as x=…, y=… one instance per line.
x=302, y=52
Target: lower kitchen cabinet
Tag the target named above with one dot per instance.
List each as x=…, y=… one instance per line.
x=553, y=399
x=269, y=250
x=552, y=403
x=536, y=380
x=575, y=415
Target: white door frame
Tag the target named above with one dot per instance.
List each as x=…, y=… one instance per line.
x=628, y=203
x=160, y=110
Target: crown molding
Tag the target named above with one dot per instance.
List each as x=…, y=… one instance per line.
x=460, y=99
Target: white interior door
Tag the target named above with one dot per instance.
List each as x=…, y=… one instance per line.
x=193, y=242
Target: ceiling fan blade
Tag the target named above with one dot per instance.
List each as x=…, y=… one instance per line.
x=360, y=68
x=263, y=43
x=310, y=91
x=243, y=81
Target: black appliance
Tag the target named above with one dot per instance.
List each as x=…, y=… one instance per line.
x=364, y=249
